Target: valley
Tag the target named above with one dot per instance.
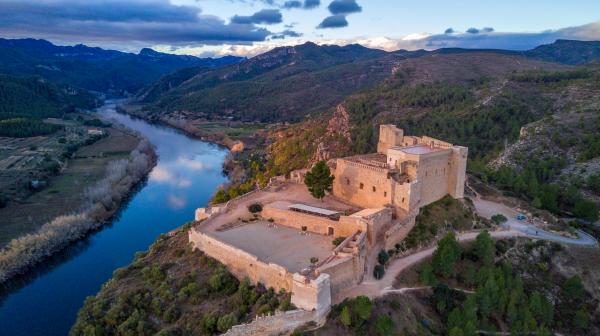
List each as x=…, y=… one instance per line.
x=529, y=121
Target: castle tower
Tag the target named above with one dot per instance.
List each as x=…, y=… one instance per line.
x=389, y=136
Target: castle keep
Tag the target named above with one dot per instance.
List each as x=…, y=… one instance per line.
x=406, y=173
x=375, y=200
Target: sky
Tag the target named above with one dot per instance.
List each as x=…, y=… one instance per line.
x=250, y=27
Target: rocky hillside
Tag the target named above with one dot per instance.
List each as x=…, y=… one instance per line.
x=284, y=84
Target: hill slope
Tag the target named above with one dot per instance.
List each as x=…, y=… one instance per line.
x=35, y=97
x=284, y=84
x=288, y=83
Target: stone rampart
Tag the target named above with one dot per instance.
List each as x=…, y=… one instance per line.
x=307, y=293
x=241, y=263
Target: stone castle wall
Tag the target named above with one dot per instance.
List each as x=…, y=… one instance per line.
x=363, y=185
x=307, y=293
x=241, y=263
x=345, y=227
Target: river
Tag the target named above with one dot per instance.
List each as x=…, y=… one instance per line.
x=46, y=301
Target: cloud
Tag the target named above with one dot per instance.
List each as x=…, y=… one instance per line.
x=501, y=40
x=176, y=202
x=265, y=16
x=292, y=4
x=344, y=7
x=164, y=176
x=310, y=4
x=116, y=22
x=286, y=33
x=334, y=21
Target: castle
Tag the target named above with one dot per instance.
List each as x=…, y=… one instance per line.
x=405, y=174
x=374, y=203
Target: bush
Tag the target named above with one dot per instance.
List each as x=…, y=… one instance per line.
x=383, y=257
x=226, y=322
x=574, y=288
x=384, y=325
x=345, y=317
x=337, y=241
x=499, y=219
x=209, y=323
x=379, y=272
x=255, y=208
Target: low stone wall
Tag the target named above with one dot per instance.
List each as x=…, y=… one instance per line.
x=241, y=263
x=308, y=294
x=278, y=324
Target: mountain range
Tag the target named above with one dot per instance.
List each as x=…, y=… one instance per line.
x=95, y=69
x=289, y=83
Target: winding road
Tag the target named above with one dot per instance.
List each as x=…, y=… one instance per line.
x=487, y=209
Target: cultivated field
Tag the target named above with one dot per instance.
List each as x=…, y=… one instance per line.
x=25, y=159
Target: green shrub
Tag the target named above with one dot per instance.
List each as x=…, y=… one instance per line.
x=209, y=323
x=255, y=208
x=384, y=325
x=499, y=219
x=337, y=241
x=225, y=322
x=378, y=272
x=345, y=317
x=383, y=257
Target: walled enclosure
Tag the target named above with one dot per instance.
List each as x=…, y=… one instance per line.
x=390, y=187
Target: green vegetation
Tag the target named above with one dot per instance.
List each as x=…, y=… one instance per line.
x=540, y=76
x=319, y=180
x=34, y=97
x=173, y=290
x=23, y=128
x=502, y=299
x=499, y=219
x=532, y=182
x=337, y=241
x=255, y=208
x=447, y=213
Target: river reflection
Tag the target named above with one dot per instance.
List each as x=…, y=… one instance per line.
x=188, y=171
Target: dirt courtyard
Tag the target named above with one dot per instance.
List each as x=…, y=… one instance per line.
x=278, y=244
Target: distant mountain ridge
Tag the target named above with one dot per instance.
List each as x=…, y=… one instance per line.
x=288, y=83
x=95, y=68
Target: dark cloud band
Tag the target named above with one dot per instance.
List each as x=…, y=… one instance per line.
x=140, y=21
x=265, y=16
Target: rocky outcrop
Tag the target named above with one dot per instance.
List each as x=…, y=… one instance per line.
x=337, y=137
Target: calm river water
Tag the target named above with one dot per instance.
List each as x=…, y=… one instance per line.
x=46, y=303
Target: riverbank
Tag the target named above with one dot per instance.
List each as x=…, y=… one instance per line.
x=236, y=136
x=87, y=207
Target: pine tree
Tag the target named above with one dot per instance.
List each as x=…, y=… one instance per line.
x=446, y=255
x=484, y=248
x=319, y=180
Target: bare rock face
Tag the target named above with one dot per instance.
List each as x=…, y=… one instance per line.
x=329, y=145
x=340, y=122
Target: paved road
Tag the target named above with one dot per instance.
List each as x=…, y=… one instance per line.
x=488, y=209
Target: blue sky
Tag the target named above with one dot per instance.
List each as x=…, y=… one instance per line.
x=248, y=27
